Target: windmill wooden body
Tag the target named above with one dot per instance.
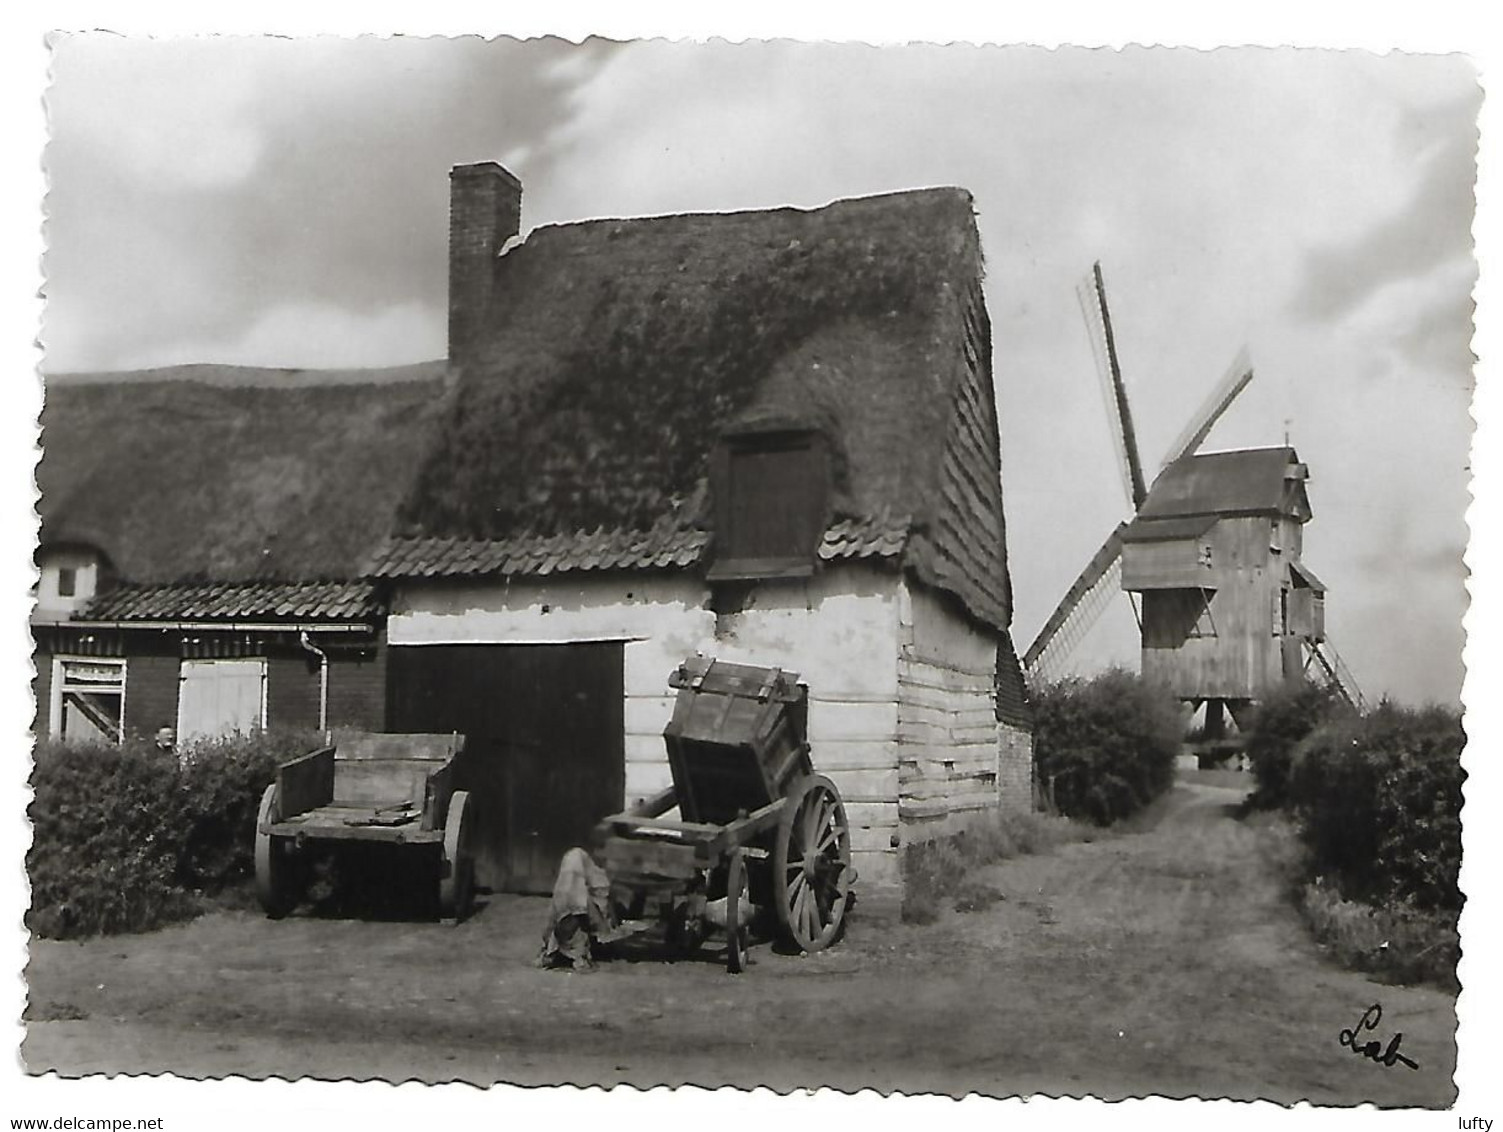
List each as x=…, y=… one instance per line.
x=1228, y=609
x=1212, y=558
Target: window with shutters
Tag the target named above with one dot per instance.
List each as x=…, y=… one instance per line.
x=220, y=697
x=771, y=504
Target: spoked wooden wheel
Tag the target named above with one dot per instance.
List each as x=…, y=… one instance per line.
x=456, y=887
x=735, y=929
x=811, y=865
x=276, y=881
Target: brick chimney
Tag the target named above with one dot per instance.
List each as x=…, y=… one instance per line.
x=485, y=210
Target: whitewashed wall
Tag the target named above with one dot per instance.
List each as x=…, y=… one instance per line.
x=948, y=749
x=51, y=605
x=838, y=630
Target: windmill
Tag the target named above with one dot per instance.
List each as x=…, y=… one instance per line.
x=1224, y=604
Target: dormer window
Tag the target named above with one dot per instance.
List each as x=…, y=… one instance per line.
x=69, y=578
x=772, y=491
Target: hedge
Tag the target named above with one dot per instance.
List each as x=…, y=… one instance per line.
x=1280, y=724
x=127, y=838
x=1378, y=798
x=1105, y=747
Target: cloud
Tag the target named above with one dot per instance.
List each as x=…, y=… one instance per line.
x=1430, y=229
x=175, y=116
x=200, y=186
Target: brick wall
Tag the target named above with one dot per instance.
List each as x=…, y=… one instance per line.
x=485, y=210
x=151, y=683
x=357, y=689
x=1015, y=767
x=292, y=692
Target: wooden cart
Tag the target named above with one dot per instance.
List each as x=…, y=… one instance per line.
x=758, y=831
x=396, y=789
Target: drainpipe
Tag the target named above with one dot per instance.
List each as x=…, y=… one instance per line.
x=323, y=681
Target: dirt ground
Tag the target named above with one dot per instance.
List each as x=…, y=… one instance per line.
x=1160, y=960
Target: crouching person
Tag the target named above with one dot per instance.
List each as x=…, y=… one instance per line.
x=581, y=912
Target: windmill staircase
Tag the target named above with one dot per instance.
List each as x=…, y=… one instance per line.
x=1324, y=665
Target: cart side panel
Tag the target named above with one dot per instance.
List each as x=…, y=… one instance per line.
x=361, y=745
x=372, y=769
x=437, y=792
x=305, y=783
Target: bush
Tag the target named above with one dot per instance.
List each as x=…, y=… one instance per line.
x=1281, y=722
x=127, y=838
x=221, y=782
x=1105, y=747
x=105, y=840
x=1378, y=798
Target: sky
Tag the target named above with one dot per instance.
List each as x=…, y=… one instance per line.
x=284, y=202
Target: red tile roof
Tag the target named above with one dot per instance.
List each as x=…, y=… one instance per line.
x=241, y=601
x=539, y=554
x=656, y=549
x=879, y=537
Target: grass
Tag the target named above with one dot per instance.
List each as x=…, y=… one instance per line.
x=1395, y=944
x=937, y=873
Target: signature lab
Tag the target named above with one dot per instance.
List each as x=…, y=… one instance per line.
x=1374, y=1050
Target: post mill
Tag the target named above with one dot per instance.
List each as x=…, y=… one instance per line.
x=1211, y=560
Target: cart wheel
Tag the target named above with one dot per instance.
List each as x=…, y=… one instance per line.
x=456, y=889
x=275, y=883
x=735, y=930
x=811, y=865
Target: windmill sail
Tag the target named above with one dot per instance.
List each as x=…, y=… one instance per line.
x=1119, y=394
x=1092, y=590
x=1233, y=382
x=1077, y=611
x=1091, y=292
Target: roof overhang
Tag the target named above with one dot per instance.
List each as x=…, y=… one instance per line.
x=1304, y=576
x=1168, y=530
x=220, y=626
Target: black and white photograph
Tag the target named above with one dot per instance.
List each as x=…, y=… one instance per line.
x=935, y=568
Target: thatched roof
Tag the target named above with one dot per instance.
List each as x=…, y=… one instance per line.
x=617, y=352
x=185, y=480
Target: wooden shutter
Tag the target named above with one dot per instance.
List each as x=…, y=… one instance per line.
x=772, y=497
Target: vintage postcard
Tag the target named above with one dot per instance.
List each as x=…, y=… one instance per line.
x=935, y=569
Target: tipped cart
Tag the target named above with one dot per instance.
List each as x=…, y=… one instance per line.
x=394, y=789
x=758, y=833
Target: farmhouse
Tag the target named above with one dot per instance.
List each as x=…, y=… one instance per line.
x=202, y=532
x=767, y=437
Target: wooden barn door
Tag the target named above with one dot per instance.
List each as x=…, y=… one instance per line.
x=544, y=760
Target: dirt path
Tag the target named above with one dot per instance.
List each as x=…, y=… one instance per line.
x=1158, y=961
